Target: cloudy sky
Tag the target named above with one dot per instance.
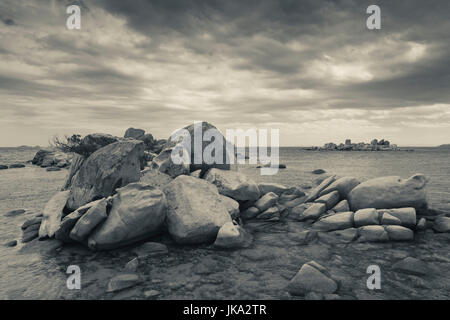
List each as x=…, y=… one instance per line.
x=310, y=68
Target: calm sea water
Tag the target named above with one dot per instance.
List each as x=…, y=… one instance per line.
x=34, y=276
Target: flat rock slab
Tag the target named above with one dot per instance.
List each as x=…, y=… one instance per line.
x=122, y=281
x=412, y=266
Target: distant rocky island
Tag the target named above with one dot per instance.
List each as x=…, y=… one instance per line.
x=374, y=145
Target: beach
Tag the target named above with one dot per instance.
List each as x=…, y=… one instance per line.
x=261, y=271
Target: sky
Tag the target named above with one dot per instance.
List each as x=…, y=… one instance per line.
x=311, y=69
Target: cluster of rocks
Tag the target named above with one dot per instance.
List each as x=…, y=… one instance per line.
x=380, y=209
x=47, y=158
x=374, y=145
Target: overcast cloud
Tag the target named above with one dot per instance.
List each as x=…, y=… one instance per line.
x=310, y=68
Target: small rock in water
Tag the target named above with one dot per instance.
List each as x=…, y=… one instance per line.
x=12, y=243
x=29, y=235
x=442, y=224
x=151, y=293
x=30, y=222
x=14, y=213
x=122, y=281
x=16, y=165
x=3, y=167
x=412, y=266
x=53, y=169
x=318, y=171
x=151, y=249
x=132, y=265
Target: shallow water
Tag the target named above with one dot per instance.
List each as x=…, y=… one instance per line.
x=259, y=272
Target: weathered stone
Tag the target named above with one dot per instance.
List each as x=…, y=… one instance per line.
x=151, y=250
x=330, y=199
x=132, y=265
x=196, y=174
x=3, y=167
x=107, y=169
x=137, y=212
x=164, y=164
x=390, y=192
x=151, y=293
x=266, y=201
x=53, y=169
x=52, y=214
x=11, y=243
x=232, y=236
x=94, y=141
x=231, y=205
x=30, y=234
x=399, y=233
x=344, y=236
x=365, y=217
x=338, y=221
x=16, y=165
x=343, y=185
x=195, y=210
x=303, y=237
x=266, y=187
x=387, y=219
x=342, y=206
x=372, y=234
x=233, y=184
x=122, y=281
x=318, y=171
x=311, y=279
x=422, y=224
x=442, y=224
x=412, y=266
x=67, y=224
x=271, y=214
x=91, y=219
x=250, y=213
x=155, y=178
x=133, y=133
x=293, y=203
x=312, y=212
x=14, y=213
x=317, y=190
x=407, y=216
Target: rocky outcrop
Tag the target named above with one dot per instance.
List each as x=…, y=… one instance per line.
x=315, y=193
x=94, y=216
x=77, y=161
x=195, y=210
x=52, y=214
x=233, y=184
x=390, y=192
x=107, y=169
x=137, y=212
x=164, y=164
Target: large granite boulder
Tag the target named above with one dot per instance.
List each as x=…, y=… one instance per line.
x=197, y=160
x=390, y=192
x=195, y=210
x=233, y=184
x=107, y=169
x=52, y=214
x=164, y=164
x=137, y=212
